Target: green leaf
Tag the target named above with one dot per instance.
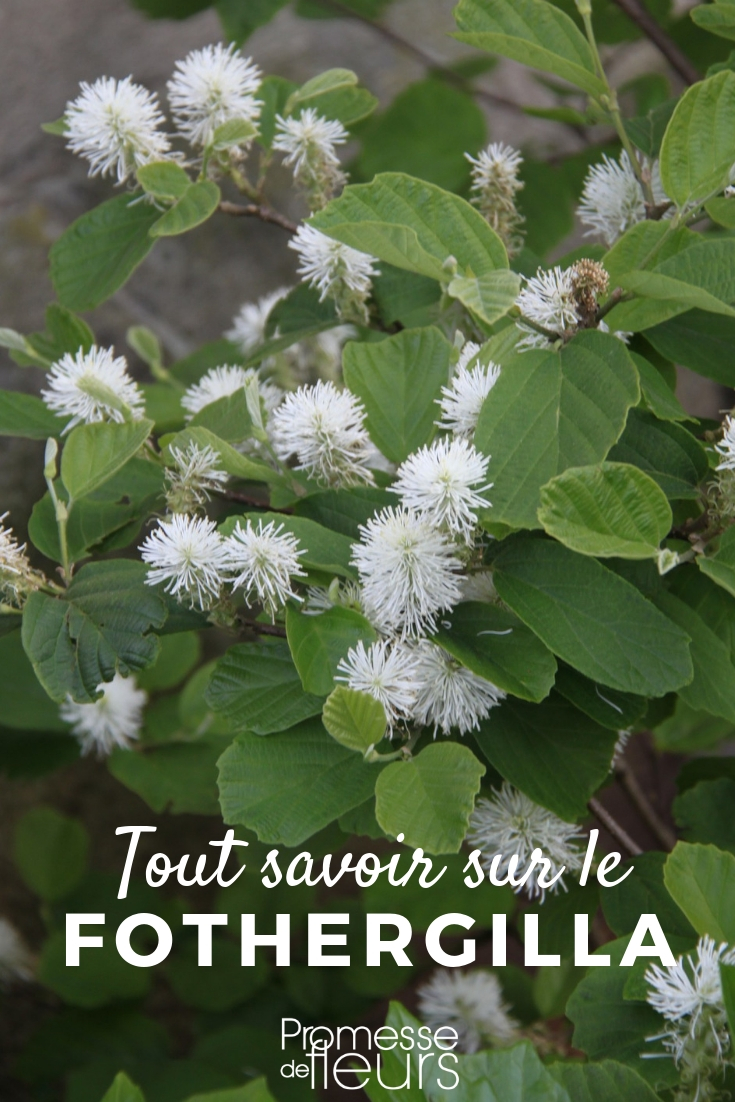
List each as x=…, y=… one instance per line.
x=231, y=460
x=703, y=813
x=688, y=731
x=551, y=751
x=599, y=1010
x=59, y=127
x=399, y=381
x=163, y=180
x=718, y=18
x=608, y=510
x=99, y=627
x=234, y=132
x=63, y=332
x=720, y=566
x=698, y=149
x=700, y=341
x=177, y=657
x=240, y=20
x=215, y=353
x=196, y=205
x=51, y=852
x=289, y=787
x=333, y=94
x=24, y=704
x=665, y=451
x=658, y=395
x=274, y=91
x=356, y=720
x=344, y=510
x=324, y=551
x=722, y=211
x=490, y=296
x=99, y=252
x=609, y=708
x=180, y=778
x=414, y=225
x=254, y=1091
x=146, y=344
x=508, y=1075
x=701, y=881
x=25, y=415
x=102, y=977
x=319, y=642
x=228, y=418
x=405, y=297
x=171, y=9
x=607, y=1081
x=643, y=892
x=647, y=131
x=94, y=453
x=549, y=411
x=429, y=798
x=122, y=1090
x=425, y=132
x=257, y=688
x=712, y=688
x=496, y=645
x=532, y=32
x=593, y=619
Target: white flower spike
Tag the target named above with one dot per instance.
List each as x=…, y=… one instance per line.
x=387, y=672
x=114, y=124
x=197, y=474
x=548, y=300
x=495, y=185
x=248, y=325
x=335, y=270
x=188, y=554
x=16, y=960
x=325, y=429
x=93, y=386
x=221, y=382
x=17, y=576
x=471, y=1003
x=113, y=721
x=448, y=695
x=463, y=399
x=409, y=572
x=613, y=200
x=210, y=87
x=510, y=823
x=445, y=482
x=309, y=144
x=262, y=560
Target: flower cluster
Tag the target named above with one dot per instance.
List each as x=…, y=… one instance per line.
x=116, y=124
x=554, y=304
x=510, y=823
x=17, y=577
x=93, y=386
x=463, y=399
x=688, y=995
x=337, y=271
x=195, y=475
x=495, y=185
x=112, y=721
x=309, y=145
x=471, y=1003
x=613, y=199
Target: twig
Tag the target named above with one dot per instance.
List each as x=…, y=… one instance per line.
x=248, y=499
x=427, y=59
x=264, y=629
x=629, y=781
x=678, y=60
x=258, y=210
x=613, y=827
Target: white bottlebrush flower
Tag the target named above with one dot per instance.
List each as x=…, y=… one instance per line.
x=221, y=382
x=409, y=572
x=448, y=695
x=188, y=554
x=613, y=200
x=248, y=325
x=547, y=299
x=726, y=446
x=114, y=720
x=17, y=576
x=262, y=560
x=463, y=399
x=325, y=429
x=196, y=474
x=495, y=185
x=387, y=671
x=93, y=386
x=309, y=144
x=335, y=270
x=114, y=125
x=16, y=960
x=210, y=87
x=689, y=997
x=510, y=823
x=471, y=1003
x=445, y=481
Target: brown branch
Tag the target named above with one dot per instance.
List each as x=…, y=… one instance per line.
x=676, y=57
x=614, y=828
x=248, y=499
x=629, y=781
x=264, y=629
x=258, y=210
